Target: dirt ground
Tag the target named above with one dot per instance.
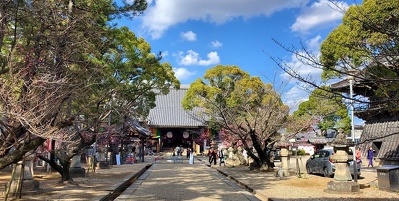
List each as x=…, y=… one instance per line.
x=96, y=185
x=91, y=186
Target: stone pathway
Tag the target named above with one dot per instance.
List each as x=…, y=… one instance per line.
x=182, y=181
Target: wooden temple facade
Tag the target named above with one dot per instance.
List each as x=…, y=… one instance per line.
x=171, y=125
x=381, y=129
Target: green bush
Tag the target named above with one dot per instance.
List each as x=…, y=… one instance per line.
x=300, y=152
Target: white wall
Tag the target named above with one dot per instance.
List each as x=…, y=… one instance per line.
x=309, y=149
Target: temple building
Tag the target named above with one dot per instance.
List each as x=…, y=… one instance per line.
x=172, y=126
x=381, y=129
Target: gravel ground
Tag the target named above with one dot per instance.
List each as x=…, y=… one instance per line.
x=309, y=187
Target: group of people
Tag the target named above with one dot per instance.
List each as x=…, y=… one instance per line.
x=215, y=154
x=179, y=151
x=370, y=156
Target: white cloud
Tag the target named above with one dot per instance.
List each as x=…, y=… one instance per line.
x=183, y=74
x=294, y=97
x=304, y=67
x=297, y=94
x=320, y=13
x=213, y=58
x=313, y=44
x=216, y=44
x=162, y=14
x=164, y=54
x=189, y=36
x=193, y=58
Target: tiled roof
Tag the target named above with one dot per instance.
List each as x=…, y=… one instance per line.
x=343, y=85
x=169, y=112
x=318, y=140
x=135, y=127
x=387, y=133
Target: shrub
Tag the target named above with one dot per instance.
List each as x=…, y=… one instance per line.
x=300, y=152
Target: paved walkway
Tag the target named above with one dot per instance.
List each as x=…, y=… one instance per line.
x=182, y=181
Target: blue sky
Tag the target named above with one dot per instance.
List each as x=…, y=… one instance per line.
x=195, y=35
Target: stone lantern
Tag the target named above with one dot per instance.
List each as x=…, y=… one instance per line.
x=342, y=176
x=284, y=157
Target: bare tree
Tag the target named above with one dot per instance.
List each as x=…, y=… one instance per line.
x=47, y=50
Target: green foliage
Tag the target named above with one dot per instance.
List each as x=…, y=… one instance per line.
x=367, y=41
x=326, y=108
x=300, y=152
x=65, y=60
x=244, y=107
x=366, y=31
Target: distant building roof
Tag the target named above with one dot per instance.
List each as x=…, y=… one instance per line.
x=169, y=111
x=318, y=140
x=135, y=128
x=387, y=134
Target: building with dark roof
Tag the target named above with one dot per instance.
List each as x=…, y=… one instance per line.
x=381, y=129
x=170, y=124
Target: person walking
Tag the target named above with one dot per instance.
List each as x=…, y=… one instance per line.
x=188, y=152
x=177, y=151
x=210, y=155
x=221, y=157
x=213, y=156
x=358, y=155
x=370, y=156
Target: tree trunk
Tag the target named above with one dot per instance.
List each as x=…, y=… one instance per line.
x=65, y=174
x=262, y=160
x=62, y=169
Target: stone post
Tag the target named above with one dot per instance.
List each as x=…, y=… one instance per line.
x=102, y=163
x=284, y=154
x=29, y=184
x=76, y=167
x=230, y=151
x=101, y=154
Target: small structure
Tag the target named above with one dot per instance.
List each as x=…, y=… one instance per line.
x=135, y=130
x=342, y=177
x=313, y=141
x=102, y=162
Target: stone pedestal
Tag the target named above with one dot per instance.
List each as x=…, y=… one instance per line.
x=231, y=153
x=76, y=169
x=343, y=187
x=284, y=154
x=103, y=165
x=101, y=153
